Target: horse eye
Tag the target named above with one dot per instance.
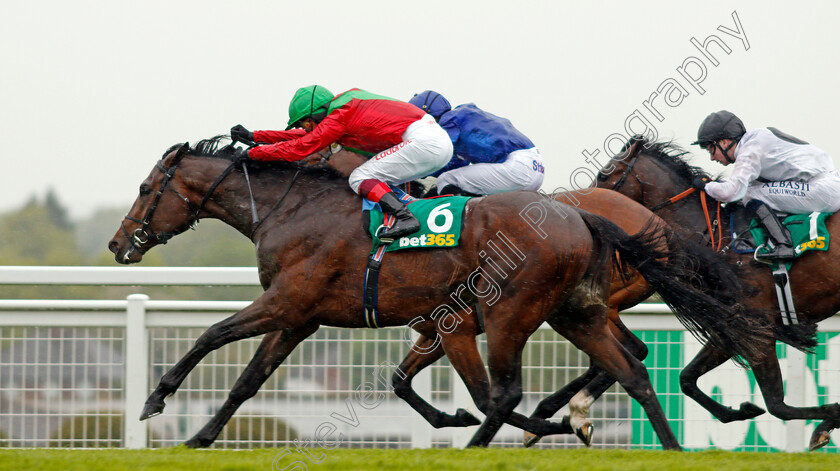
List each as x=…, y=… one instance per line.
x=602, y=177
x=144, y=190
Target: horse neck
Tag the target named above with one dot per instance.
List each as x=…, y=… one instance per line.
x=688, y=212
x=277, y=192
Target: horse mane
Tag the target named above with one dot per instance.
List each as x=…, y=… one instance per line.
x=670, y=155
x=221, y=147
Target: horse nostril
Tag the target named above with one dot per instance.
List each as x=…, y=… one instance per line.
x=113, y=246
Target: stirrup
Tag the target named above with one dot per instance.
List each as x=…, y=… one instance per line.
x=392, y=233
x=774, y=255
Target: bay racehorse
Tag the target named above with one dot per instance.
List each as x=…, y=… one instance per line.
x=311, y=251
x=657, y=175
x=627, y=288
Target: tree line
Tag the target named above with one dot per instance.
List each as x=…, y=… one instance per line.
x=41, y=233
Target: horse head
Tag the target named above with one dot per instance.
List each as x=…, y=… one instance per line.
x=648, y=172
x=165, y=207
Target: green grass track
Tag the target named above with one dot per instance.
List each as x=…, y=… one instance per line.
x=181, y=458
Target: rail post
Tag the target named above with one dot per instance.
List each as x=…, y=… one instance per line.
x=136, y=371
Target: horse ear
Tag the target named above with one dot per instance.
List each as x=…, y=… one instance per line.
x=633, y=146
x=175, y=154
x=182, y=151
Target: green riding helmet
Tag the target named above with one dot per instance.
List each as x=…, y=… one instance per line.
x=308, y=101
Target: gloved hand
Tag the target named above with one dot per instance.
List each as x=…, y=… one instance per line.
x=239, y=133
x=700, y=182
x=240, y=155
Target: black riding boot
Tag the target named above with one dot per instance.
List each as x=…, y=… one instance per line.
x=406, y=222
x=778, y=235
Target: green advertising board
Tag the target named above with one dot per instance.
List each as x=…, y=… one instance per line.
x=731, y=385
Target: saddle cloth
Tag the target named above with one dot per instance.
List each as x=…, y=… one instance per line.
x=808, y=232
x=440, y=223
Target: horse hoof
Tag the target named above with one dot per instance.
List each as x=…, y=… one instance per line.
x=585, y=433
x=749, y=410
x=152, y=409
x=466, y=419
x=196, y=442
x=819, y=440
x=529, y=439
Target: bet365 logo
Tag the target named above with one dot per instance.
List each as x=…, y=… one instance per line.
x=439, y=221
x=818, y=243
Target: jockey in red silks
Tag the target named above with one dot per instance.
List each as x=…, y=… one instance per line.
x=404, y=142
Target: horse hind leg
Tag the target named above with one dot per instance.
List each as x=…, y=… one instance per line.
x=425, y=352
x=462, y=351
x=273, y=350
x=768, y=375
x=582, y=392
x=605, y=351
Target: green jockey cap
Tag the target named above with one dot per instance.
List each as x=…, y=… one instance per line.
x=308, y=101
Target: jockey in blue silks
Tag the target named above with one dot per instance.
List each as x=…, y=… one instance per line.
x=490, y=155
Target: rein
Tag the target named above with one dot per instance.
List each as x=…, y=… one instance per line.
x=709, y=224
x=258, y=223
x=255, y=219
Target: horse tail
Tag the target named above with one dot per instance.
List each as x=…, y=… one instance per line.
x=712, y=274
x=800, y=336
x=722, y=322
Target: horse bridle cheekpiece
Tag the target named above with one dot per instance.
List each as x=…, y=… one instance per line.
x=144, y=234
x=627, y=171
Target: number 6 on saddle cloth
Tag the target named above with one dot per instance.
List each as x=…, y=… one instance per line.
x=440, y=227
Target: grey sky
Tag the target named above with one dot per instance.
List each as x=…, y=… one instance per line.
x=93, y=92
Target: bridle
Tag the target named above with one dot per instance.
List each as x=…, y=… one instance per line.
x=627, y=171
x=145, y=234
x=710, y=225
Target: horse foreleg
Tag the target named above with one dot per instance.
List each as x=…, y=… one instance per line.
x=553, y=403
x=258, y=318
x=273, y=350
x=413, y=363
x=709, y=358
x=768, y=375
